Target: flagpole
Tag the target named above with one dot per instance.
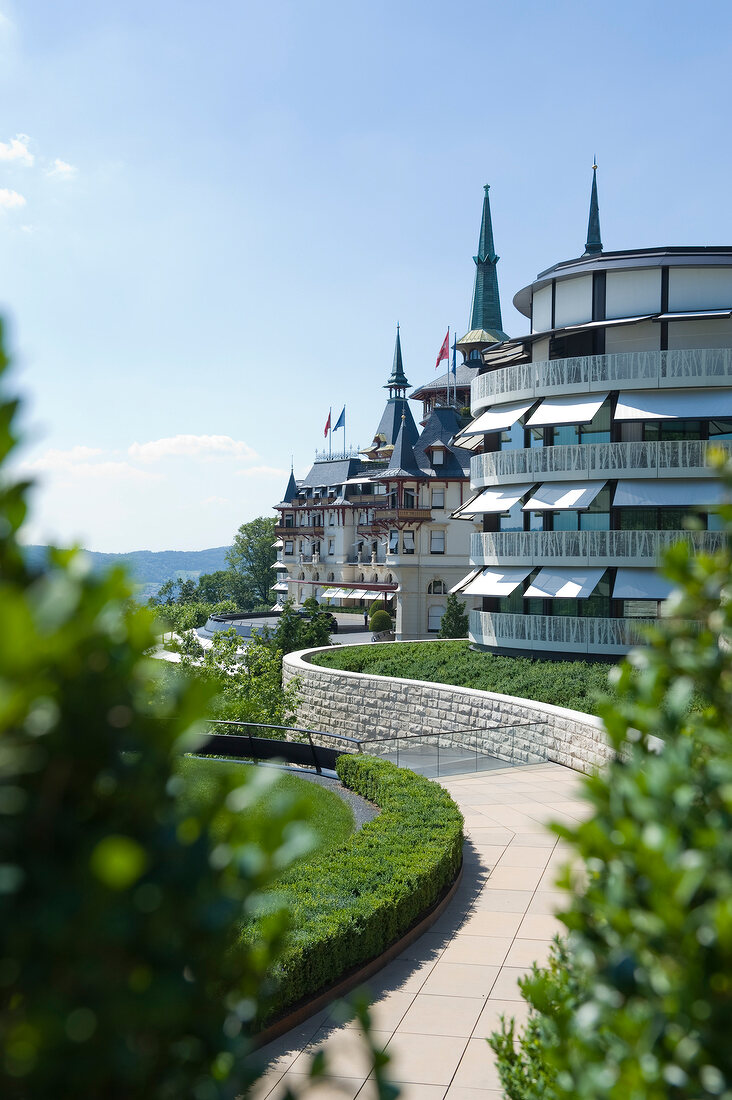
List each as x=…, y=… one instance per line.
x=330, y=432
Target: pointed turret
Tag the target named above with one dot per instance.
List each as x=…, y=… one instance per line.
x=402, y=462
x=397, y=384
x=594, y=243
x=291, y=490
x=486, y=324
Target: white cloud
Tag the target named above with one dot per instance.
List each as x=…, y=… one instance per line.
x=262, y=471
x=77, y=463
x=191, y=446
x=61, y=170
x=17, y=149
x=10, y=200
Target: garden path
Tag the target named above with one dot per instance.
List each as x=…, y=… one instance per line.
x=435, y=1004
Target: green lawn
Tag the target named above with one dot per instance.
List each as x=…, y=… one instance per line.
x=330, y=818
x=574, y=684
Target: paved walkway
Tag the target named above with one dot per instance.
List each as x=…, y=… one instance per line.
x=436, y=1003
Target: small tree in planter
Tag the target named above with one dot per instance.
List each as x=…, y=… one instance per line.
x=380, y=622
x=454, y=622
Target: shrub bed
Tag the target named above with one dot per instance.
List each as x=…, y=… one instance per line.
x=574, y=684
x=349, y=906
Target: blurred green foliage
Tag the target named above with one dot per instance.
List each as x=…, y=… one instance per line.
x=638, y=1004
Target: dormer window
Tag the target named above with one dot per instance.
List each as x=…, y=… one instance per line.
x=438, y=456
x=474, y=356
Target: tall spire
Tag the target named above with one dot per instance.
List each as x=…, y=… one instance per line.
x=485, y=311
x=594, y=244
x=397, y=384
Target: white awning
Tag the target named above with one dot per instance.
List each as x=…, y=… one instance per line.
x=640, y=584
x=564, y=494
x=279, y=565
x=496, y=582
x=497, y=499
x=699, y=492
x=332, y=593
x=280, y=587
x=466, y=441
x=675, y=405
x=498, y=418
x=573, y=584
x=466, y=580
x=278, y=543
x=566, y=410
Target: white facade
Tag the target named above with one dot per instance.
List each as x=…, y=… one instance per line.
x=628, y=379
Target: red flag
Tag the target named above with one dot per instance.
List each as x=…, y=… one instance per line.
x=444, y=352
x=327, y=426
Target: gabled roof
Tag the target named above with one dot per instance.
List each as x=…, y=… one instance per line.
x=441, y=426
x=333, y=472
x=402, y=462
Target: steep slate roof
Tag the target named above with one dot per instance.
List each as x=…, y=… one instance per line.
x=402, y=462
x=391, y=420
x=442, y=425
x=485, y=311
x=291, y=490
x=398, y=377
x=333, y=472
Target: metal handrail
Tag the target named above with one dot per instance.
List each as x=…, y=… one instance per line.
x=249, y=726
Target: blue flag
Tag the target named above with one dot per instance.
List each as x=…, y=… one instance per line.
x=341, y=421
x=454, y=354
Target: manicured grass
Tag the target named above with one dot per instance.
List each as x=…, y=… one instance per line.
x=330, y=818
x=574, y=684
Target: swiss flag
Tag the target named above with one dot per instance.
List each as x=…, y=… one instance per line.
x=327, y=427
x=444, y=352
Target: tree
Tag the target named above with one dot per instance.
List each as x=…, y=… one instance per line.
x=302, y=629
x=454, y=623
x=252, y=556
x=640, y=1001
x=218, y=586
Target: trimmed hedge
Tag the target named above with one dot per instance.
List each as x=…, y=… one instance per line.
x=349, y=906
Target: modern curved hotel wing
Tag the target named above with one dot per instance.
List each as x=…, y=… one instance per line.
x=590, y=440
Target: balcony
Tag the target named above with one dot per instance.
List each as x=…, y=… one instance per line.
x=638, y=370
x=663, y=458
x=557, y=633
x=401, y=515
x=585, y=547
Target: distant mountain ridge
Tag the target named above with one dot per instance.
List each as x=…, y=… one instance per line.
x=150, y=567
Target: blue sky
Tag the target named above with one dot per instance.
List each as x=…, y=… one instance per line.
x=213, y=215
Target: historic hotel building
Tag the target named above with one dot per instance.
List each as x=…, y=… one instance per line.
x=590, y=438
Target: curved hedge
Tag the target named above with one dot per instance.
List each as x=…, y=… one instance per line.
x=348, y=908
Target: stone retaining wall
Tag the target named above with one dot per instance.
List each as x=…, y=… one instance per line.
x=367, y=707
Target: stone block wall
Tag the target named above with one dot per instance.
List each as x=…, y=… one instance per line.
x=370, y=708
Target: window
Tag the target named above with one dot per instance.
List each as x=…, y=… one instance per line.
x=409, y=498
x=437, y=588
x=640, y=609
x=438, y=456
x=408, y=542
x=437, y=542
x=289, y=546
x=513, y=520
x=331, y=519
x=438, y=498
x=434, y=618
x=393, y=542
x=289, y=520
x=331, y=576
x=331, y=547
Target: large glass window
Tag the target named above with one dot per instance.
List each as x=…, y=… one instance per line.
x=513, y=520
x=438, y=498
x=672, y=429
x=437, y=542
x=512, y=438
x=434, y=618
x=409, y=498
x=640, y=609
x=720, y=429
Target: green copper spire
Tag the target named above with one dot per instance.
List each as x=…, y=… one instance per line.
x=594, y=244
x=398, y=380
x=485, y=313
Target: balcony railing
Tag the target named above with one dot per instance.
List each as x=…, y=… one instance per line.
x=662, y=458
x=585, y=547
x=627, y=370
x=402, y=515
x=568, y=633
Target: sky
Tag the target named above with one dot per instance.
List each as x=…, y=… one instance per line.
x=212, y=216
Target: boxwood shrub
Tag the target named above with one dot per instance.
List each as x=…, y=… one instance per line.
x=348, y=908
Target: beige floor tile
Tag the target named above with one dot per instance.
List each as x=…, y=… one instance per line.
x=480, y=833
x=434, y=1015
x=548, y=902
x=477, y=1069
x=539, y=926
x=459, y=1092
x=263, y=1087
x=487, y=854
x=490, y=1018
x=514, y=878
x=345, y=1051
x=505, y=986
x=387, y=1010
x=523, y=856
x=526, y=952
x=407, y=1092
x=430, y=945
x=484, y=950
x=504, y=901
x=425, y=1059
x=461, y=980
x=403, y=974
x=282, y=1052
x=330, y=1088
x=534, y=840
x=482, y=923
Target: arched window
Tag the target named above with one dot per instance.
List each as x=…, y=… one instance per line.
x=434, y=618
x=389, y=578
x=437, y=588
x=316, y=577
x=301, y=577
x=375, y=578
x=331, y=576
x=361, y=577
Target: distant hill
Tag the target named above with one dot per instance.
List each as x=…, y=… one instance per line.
x=151, y=568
